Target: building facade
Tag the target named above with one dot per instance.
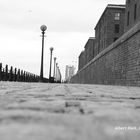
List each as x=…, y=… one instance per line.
x=119, y=64
x=89, y=49
x=81, y=60
x=70, y=71
x=110, y=26
x=88, y=53
x=132, y=13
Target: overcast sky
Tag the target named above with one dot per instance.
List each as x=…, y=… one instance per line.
x=69, y=25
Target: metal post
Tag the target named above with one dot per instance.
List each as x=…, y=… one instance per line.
x=51, y=49
x=56, y=74
x=0, y=71
x=43, y=28
x=15, y=74
x=6, y=73
x=54, y=67
x=11, y=74
x=18, y=75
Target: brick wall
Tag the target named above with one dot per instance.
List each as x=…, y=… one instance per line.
x=105, y=29
x=132, y=13
x=81, y=61
x=89, y=49
x=88, y=53
x=118, y=64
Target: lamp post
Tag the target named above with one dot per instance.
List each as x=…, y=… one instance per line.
x=54, y=68
x=51, y=49
x=56, y=74
x=43, y=28
x=59, y=75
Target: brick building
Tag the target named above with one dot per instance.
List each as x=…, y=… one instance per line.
x=132, y=13
x=81, y=61
x=110, y=26
x=88, y=53
x=89, y=49
x=119, y=63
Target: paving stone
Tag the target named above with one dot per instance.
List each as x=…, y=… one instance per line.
x=40, y=111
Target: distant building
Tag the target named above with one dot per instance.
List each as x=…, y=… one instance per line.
x=70, y=71
x=109, y=27
x=132, y=13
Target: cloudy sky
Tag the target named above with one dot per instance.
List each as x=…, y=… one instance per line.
x=69, y=25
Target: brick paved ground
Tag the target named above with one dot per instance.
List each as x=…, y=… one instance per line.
x=35, y=111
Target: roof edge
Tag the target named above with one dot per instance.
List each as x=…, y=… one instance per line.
x=118, y=6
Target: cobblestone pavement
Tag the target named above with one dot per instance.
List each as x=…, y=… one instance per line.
x=39, y=111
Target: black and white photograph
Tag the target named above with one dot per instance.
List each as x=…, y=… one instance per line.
x=69, y=69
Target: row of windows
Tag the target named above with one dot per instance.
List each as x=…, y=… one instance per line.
x=117, y=27
x=117, y=16
x=135, y=15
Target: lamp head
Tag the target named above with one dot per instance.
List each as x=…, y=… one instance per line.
x=51, y=49
x=43, y=28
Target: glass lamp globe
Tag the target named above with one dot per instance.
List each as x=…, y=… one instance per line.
x=43, y=27
x=51, y=48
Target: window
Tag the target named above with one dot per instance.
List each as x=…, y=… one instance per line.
x=117, y=28
x=115, y=39
x=135, y=11
x=117, y=16
x=128, y=14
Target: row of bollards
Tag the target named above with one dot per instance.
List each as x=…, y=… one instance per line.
x=14, y=74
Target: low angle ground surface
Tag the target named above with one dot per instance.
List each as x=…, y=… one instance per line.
x=41, y=111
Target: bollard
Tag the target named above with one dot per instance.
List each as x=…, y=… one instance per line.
x=11, y=74
x=18, y=75
x=33, y=77
x=27, y=76
x=3, y=74
x=15, y=74
x=24, y=76
x=21, y=76
x=6, y=73
x=0, y=71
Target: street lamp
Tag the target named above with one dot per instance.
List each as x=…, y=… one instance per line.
x=60, y=77
x=54, y=67
x=43, y=28
x=51, y=49
x=56, y=74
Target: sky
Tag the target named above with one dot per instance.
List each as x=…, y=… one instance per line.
x=69, y=25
